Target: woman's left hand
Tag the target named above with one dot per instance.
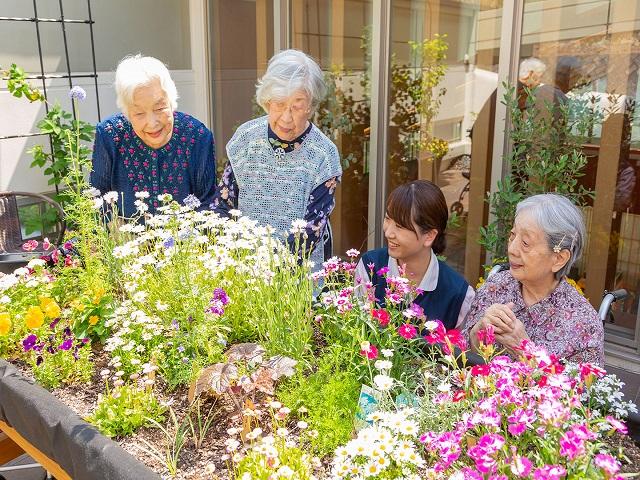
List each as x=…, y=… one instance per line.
x=513, y=339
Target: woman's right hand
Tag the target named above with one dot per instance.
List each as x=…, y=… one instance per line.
x=498, y=315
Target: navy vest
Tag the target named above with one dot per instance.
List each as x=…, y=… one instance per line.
x=442, y=304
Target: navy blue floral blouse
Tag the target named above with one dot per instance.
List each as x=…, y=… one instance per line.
x=186, y=165
x=321, y=200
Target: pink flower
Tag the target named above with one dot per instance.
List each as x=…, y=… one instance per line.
x=520, y=466
x=480, y=370
x=371, y=352
x=486, y=335
x=587, y=369
x=607, y=463
x=549, y=472
x=407, y=331
x=30, y=245
x=46, y=244
x=383, y=271
x=382, y=316
x=617, y=424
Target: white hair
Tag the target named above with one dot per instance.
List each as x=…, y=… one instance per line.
x=137, y=71
x=288, y=72
x=531, y=64
x=561, y=221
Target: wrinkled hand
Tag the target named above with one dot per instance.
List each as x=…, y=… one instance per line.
x=513, y=339
x=500, y=316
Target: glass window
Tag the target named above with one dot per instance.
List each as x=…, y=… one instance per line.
x=588, y=51
x=444, y=133
x=241, y=44
x=337, y=34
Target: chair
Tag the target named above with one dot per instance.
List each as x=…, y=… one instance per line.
x=11, y=239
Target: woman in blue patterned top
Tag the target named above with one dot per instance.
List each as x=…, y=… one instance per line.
x=150, y=147
x=281, y=167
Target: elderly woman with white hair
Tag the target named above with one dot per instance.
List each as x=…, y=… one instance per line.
x=281, y=166
x=149, y=148
x=532, y=300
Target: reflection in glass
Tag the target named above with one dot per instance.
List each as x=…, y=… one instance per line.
x=337, y=34
x=443, y=74
x=591, y=50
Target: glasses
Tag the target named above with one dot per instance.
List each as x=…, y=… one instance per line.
x=295, y=108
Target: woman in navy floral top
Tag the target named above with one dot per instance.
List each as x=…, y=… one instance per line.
x=150, y=147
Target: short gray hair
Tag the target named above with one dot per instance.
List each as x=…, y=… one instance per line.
x=137, y=71
x=289, y=71
x=561, y=221
x=531, y=64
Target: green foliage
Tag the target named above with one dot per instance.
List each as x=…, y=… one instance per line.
x=546, y=157
x=18, y=86
x=175, y=438
x=330, y=395
x=414, y=102
x=61, y=367
x=126, y=408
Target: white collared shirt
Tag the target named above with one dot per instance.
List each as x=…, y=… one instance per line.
x=428, y=283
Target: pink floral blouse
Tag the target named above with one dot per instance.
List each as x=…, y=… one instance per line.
x=564, y=322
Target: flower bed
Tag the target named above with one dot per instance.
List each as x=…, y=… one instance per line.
x=163, y=336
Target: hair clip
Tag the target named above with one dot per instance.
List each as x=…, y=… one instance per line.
x=558, y=246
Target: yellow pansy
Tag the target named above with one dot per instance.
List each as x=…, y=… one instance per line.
x=93, y=319
x=34, y=318
x=50, y=308
x=5, y=323
x=480, y=282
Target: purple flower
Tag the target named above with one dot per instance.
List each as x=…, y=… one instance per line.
x=169, y=242
x=181, y=349
x=67, y=332
x=29, y=342
x=66, y=345
x=77, y=93
x=220, y=294
x=175, y=324
x=53, y=324
x=39, y=360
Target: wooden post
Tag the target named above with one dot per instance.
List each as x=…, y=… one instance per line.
x=262, y=42
x=479, y=184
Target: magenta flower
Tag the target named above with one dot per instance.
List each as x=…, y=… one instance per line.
x=383, y=271
x=617, y=424
x=371, y=352
x=607, y=463
x=486, y=335
x=549, y=472
x=520, y=466
x=407, y=331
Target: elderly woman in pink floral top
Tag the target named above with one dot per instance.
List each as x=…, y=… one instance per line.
x=532, y=300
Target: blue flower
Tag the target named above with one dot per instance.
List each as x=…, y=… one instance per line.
x=77, y=93
x=169, y=242
x=191, y=201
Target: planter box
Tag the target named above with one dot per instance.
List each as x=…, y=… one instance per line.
x=56, y=437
